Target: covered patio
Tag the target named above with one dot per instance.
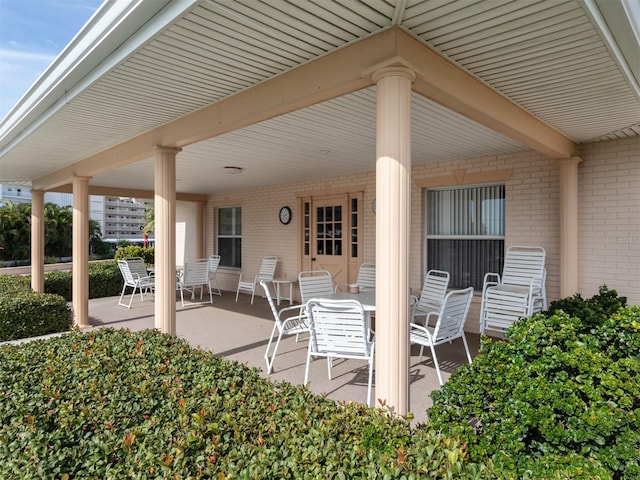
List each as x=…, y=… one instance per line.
x=240, y=331
x=374, y=102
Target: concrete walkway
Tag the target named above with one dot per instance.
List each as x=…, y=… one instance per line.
x=240, y=331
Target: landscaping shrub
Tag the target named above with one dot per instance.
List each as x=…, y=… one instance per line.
x=28, y=314
x=113, y=404
x=60, y=283
x=105, y=280
x=559, y=399
x=11, y=284
x=147, y=253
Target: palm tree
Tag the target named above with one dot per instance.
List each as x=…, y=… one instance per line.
x=150, y=225
x=58, y=223
x=15, y=228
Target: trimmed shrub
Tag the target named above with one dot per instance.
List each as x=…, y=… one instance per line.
x=60, y=283
x=28, y=314
x=147, y=253
x=559, y=399
x=113, y=404
x=105, y=280
x=11, y=284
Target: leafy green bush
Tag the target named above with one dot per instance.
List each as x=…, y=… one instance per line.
x=147, y=253
x=11, y=284
x=105, y=280
x=592, y=311
x=28, y=314
x=559, y=399
x=60, y=283
x=113, y=404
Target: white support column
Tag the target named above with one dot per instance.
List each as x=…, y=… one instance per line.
x=393, y=198
x=165, y=237
x=569, y=247
x=37, y=241
x=80, y=282
x=200, y=229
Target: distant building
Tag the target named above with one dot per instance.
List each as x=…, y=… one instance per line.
x=22, y=194
x=120, y=218
x=124, y=218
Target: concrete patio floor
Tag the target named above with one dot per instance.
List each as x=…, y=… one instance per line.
x=240, y=331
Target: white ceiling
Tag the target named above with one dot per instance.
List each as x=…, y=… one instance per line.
x=555, y=58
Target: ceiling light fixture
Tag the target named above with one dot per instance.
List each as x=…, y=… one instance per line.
x=233, y=170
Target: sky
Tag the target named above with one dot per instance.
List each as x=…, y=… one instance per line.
x=32, y=34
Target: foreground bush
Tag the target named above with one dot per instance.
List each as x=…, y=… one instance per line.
x=559, y=399
x=24, y=313
x=28, y=314
x=113, y=404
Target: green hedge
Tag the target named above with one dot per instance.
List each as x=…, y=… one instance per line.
x=559, y=399
x=11, y=284
x=105, y=280
x=28, y=314
x=113, y=404
x=147, y=253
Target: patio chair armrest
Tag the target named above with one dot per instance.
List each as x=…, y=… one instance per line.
x=244, y=277
x=420, y=328
x=490, y=279
x=297, y=321
x=286, y=310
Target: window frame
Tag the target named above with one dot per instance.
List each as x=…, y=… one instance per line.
x=237, y=234
x=427, y=235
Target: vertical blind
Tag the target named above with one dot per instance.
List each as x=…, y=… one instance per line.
x=465, y=232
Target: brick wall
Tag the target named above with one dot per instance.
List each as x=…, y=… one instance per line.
x=609, y=216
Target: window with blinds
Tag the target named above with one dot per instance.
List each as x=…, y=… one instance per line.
x=229, y=236
x=465, y=232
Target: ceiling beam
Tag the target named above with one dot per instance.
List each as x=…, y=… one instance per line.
x=341, y=72
x=451, y=86
x=330, y=76
x=133, y=193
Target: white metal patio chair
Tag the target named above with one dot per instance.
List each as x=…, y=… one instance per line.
x=518, y=293
x=194, y=275
x=288, y=321
x=315, y=284
x=135, y=275
x=214, y=262
x=366, y=279
x=431, y=297
x=448, y=326
x=339, y=329
x=248, y=284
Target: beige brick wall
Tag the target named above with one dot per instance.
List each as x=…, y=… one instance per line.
x=609, y=216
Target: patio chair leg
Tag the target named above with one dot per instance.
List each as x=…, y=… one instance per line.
x=121, y=296
x=370, y=381
x=275, y=350
x=306, y=370
x=435, y=360
x=466, y=347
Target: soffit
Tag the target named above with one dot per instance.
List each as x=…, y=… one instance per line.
x=545, y=56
